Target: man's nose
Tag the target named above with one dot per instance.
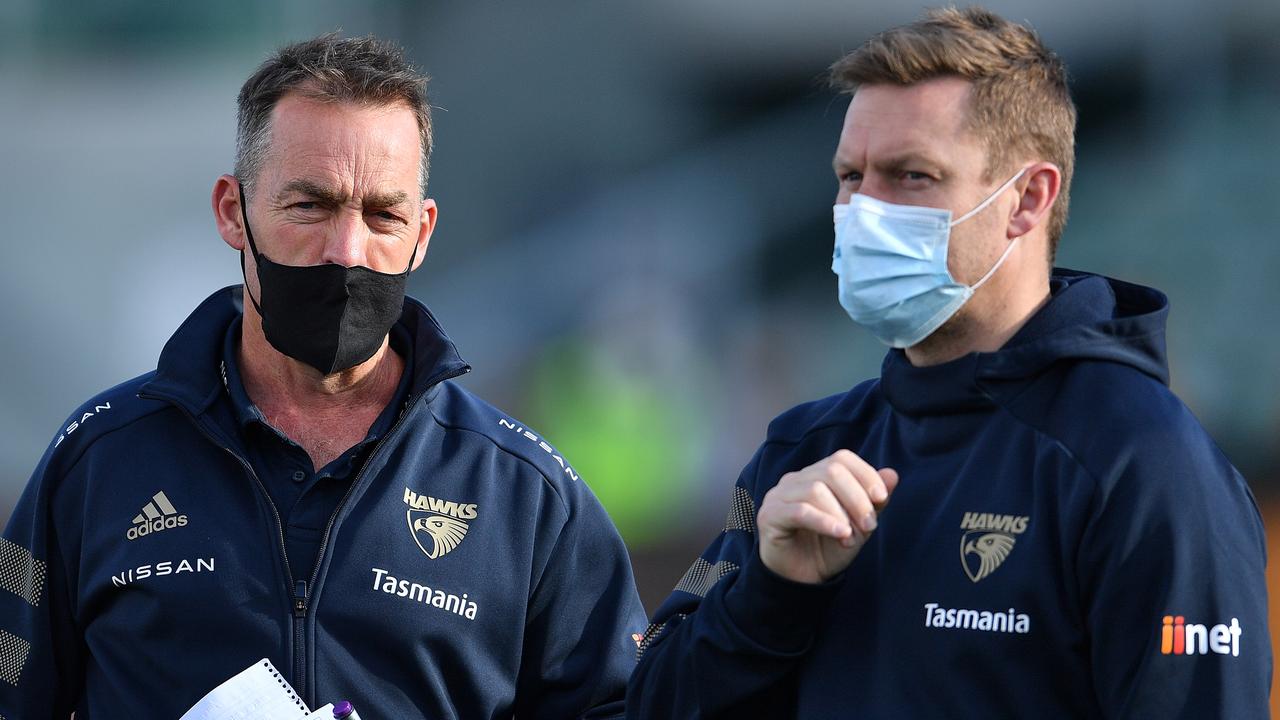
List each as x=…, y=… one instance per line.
x=348, y=239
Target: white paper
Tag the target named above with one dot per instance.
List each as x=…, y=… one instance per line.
x=259, y=691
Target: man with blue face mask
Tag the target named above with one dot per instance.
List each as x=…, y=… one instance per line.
x=1064, y=540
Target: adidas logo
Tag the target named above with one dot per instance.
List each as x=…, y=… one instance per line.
x=157, y=515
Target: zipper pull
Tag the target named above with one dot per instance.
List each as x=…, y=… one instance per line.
x=300, y=599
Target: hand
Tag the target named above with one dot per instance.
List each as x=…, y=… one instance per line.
x=814, y=521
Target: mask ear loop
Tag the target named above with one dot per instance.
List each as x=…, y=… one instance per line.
x=995, y=267
x=413, y=256
x=990, y=198
x=244, y=213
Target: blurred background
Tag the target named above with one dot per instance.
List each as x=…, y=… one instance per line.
x=635, y=229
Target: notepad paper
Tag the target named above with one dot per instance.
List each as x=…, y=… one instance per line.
x=259, y=691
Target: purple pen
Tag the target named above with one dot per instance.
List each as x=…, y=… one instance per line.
x=342, y=710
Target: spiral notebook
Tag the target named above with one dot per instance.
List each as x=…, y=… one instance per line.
x=259, y=691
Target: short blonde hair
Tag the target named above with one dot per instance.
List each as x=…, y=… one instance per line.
x=1020, y=105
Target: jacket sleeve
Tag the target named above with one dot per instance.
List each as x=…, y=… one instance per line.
x=40, y=649
x=1172, y=580
x=725, y=641
x=579, y=646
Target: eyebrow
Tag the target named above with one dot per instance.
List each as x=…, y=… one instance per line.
x=898, y=163
x=330, y=197
x=892, y=164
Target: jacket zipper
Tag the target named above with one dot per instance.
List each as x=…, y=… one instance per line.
x=324, y=538
x=299, y=634
x=301, y=600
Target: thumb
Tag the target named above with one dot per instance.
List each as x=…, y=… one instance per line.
x=890, y=477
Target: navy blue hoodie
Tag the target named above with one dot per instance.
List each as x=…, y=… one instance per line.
x=467, y=573
x=1065, y=542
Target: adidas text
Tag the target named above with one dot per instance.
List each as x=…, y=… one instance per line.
x=164, y=523
x=157, y=515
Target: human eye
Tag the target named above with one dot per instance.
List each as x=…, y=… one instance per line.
x=387, y=218
x=306, y=206
x=916, y=179
x=304, y=210
x=849, y=178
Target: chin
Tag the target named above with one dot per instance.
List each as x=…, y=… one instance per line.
x=955, y=328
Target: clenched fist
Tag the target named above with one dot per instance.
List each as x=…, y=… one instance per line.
x=814, y=521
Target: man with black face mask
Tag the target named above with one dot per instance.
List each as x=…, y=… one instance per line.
x=300, y=480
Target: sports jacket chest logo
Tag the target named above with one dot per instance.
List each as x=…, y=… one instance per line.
x=987, y=541
x=156, y=516
x=438, y=526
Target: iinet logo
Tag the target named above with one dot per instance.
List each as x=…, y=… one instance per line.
x=1179, y=637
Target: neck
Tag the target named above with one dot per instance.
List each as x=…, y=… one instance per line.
x=982, y=327
x=285, y=388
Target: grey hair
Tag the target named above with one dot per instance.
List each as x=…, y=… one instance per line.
x=362, y=70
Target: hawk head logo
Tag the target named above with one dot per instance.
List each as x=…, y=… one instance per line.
x=989, y=550
x=436, y=534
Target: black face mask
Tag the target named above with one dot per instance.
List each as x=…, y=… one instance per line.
x=328, y=316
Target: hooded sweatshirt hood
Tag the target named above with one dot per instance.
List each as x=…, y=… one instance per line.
x=1088, y=317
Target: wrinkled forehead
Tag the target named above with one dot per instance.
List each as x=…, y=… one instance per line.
x=930, y=117
x=343, y=144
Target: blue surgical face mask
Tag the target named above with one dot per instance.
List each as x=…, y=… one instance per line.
x=892, y=266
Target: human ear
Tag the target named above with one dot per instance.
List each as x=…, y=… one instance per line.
x=1038, y=189
x=429, y=214
x=227, y=215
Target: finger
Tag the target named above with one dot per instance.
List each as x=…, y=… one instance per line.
x=851, y=494
x=793, y=516
x=812, y=489
x=890, y=477
x=866, y=475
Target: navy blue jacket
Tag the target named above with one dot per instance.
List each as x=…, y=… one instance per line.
x=467, y=573
x=1065, y=542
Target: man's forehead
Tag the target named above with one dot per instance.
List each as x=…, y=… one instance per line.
x=927, y=118
x=338, y=151
x=318, y=127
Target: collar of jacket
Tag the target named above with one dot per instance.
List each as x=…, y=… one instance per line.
x=1088, y=318
x=189, y=372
